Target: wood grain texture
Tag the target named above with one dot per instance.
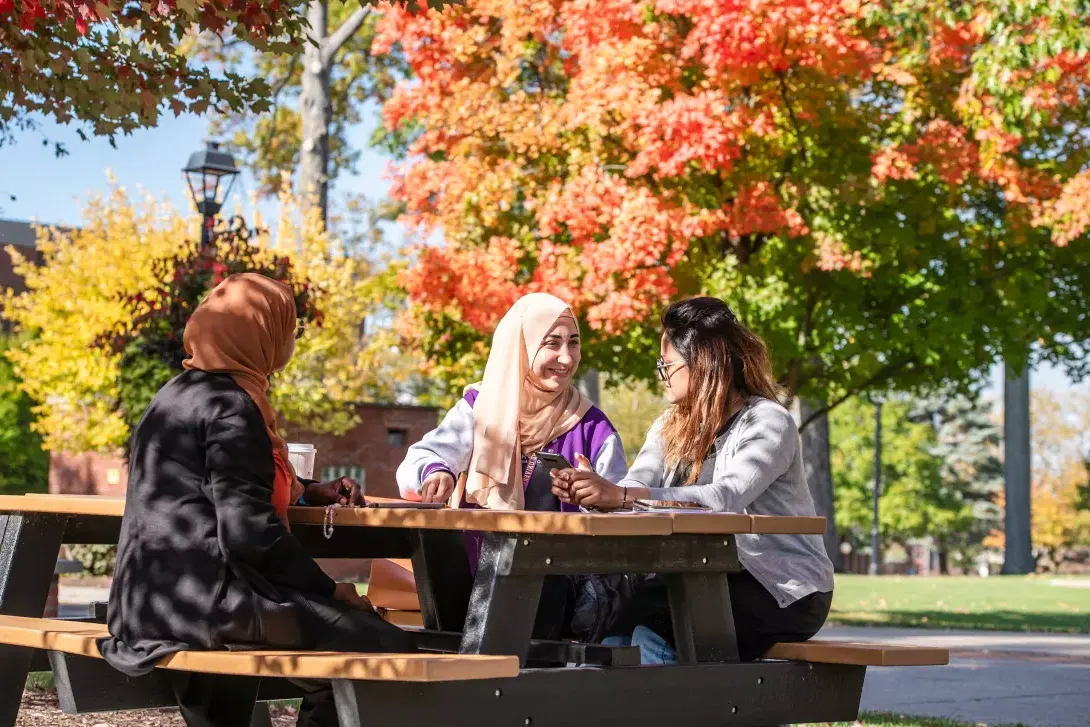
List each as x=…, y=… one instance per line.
x=80, y=639
x=493, y=521
x=787, y=524
x=861, y=654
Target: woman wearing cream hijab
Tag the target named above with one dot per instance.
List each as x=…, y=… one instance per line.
x=526, y=403
x=205, y=559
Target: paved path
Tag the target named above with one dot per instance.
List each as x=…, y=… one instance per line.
x=82, y=595
x=993, y=677
x=1066, y=645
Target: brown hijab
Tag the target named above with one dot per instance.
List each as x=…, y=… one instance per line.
x=246, y=328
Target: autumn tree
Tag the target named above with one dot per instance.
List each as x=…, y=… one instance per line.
x=107, y=280
x=1060, y=520
x=1061, y=449
x=320, y=90
x=855, y=179
x=112, y=66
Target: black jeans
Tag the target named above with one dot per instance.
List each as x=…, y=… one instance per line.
x=213, y=700
x=759, y=622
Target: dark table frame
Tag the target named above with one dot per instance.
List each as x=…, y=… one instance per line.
x=709, y=687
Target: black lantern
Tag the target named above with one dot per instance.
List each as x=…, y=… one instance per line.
x=211, y=173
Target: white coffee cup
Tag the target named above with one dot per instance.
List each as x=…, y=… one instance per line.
x=301, y=457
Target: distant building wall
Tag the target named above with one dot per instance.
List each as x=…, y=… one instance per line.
x=376, y=446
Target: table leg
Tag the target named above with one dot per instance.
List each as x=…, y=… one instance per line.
x=443, y=582
x=502, y=608
x=702, y=617
x=29, y=544
x=261, y=717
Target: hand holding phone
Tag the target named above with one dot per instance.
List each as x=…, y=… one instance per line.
x=553, y=461
x=553, y=464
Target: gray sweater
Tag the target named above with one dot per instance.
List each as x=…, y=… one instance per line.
x=758, y=471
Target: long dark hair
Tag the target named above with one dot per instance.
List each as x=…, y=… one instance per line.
x=722, y=356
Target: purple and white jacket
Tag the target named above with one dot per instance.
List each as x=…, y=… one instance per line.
x=448, y=447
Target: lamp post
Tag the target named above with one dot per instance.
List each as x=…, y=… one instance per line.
x=875, y=534
x=211, y=173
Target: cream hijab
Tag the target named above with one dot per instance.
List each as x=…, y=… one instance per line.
x=514, y=415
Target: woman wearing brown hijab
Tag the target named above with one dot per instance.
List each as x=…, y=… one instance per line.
x=205, y=559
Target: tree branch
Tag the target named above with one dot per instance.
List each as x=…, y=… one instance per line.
x=789, y=159
x=883, y=372
x=266, y=145
x=343, y=34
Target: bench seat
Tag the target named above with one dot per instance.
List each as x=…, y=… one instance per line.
x=860, y=654
x=80, y=639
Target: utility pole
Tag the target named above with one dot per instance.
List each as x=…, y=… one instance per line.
x=875, y=534
x=1018, y=550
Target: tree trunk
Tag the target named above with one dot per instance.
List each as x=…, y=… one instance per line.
x=588, y=385
x=1018, y=548
x=317, y=111
x=944, y=560
x=819, y=474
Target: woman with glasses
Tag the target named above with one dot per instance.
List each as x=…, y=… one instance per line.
x=727, y=444
x=205, y=558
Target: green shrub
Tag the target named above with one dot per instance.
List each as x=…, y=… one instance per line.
x=97, y=560
x=24, y=465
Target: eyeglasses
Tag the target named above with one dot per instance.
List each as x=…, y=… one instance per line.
x=663, y=367
x=300, y=328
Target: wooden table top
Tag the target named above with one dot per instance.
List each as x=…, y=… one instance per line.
x=495, y=521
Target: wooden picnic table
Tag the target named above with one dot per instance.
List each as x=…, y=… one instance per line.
x=694, y=551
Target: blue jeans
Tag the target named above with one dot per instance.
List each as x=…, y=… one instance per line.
x=653, y=648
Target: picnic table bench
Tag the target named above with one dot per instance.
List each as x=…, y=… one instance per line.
x=490, y=616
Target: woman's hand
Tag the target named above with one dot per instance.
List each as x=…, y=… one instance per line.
x=586, y=488
x=347, y=593
x=341, y=491
x=437, y=487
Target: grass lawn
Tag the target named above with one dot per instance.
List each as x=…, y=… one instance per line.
x=998, y=603
x=881, y=719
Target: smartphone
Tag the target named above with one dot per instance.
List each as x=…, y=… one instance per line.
x=553, y=461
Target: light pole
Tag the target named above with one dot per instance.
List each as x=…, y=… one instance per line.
x=875, y=539
x=211, y=173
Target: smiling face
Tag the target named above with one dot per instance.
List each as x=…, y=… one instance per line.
x=558, y=357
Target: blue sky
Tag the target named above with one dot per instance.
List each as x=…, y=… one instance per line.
x=52, y=190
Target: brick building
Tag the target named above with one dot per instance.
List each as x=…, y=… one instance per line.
x=21, y=236
x=370, y=452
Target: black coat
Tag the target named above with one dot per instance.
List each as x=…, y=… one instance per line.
x=203, y=560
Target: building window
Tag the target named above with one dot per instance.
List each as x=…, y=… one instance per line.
x=397, y=437
x=359, y=474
